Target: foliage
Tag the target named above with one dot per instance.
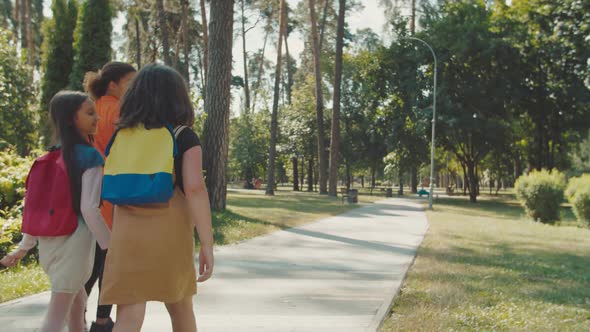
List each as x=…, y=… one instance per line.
x=13, y=173
x=58, y=55
x=92, y=45
x=248, y=151
x=541, y=194
x=553, y=51
x=17, y=92
x=477, y=82
x=578, y=194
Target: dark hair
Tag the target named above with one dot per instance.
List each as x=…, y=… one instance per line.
x=157, y=96
x=97, y=83
x=62, y=109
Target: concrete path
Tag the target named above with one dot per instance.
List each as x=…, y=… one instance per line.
x=337, y=274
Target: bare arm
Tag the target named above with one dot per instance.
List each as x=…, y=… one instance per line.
x=27, y=243
x=200, y=211
x=90, y=206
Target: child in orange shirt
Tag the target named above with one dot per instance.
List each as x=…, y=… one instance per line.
x=106, y=87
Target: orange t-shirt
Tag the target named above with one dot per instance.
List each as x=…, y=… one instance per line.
x=107, y=108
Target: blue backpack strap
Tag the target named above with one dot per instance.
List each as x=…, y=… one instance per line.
x=171, y=130
x=108, y=149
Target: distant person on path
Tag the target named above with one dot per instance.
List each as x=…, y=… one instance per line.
x=68, y=259
x=106, y=87
x=151, y=255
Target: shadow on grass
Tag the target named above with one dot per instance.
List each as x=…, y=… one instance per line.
x=503, y=206
x=299, y=203
x=224, y=222
x=544, y=275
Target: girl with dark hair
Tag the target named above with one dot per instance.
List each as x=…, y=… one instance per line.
x=151, y=257
x=106, y=87
x=67, y=259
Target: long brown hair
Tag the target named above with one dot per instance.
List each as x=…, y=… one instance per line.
x=157, y=96
x=62, y=109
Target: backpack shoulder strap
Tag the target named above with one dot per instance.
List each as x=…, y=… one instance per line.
x=108, y=149
x=179, y=130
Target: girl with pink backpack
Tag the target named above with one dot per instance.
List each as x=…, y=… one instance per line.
x=65, y=223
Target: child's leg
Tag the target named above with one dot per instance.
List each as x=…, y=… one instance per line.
x=76, y=317
x=129, y=317
x=59, y=308
x=182, y=315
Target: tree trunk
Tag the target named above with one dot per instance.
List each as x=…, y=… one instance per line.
x=275, y=105
x=335, y=136
x=465, y=179
x=245, y=56
x=401, y=184
x=310, y=174
x=295, y=174
x=348, y=176
x=185, y=43
x=414, y=179
x=17, y=21
x=302, y=177
x=373, y=171
x=472, y=182
x=323, y=24
x=288, y=64
x=323, y=165
x=413, y=18
x=259, y=74
x=217, y=103
x=205, y=40
x=137, y=43
x=23, y=23
x=162, y=22
x=29, y=34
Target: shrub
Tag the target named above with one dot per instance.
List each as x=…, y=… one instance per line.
x=13, y=173
x=578, y=194
x=541, y=193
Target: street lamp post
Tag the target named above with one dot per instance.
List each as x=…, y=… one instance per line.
x=433, y=123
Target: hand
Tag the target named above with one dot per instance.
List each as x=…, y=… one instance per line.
x=205, y=264
x=13, y=258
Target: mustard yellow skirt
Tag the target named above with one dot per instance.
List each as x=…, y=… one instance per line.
x=151, y=254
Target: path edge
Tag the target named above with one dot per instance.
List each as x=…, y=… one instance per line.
x=394, y=291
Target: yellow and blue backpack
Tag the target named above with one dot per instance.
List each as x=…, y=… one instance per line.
x=139, y=167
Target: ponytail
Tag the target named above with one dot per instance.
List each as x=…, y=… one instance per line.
x=96, y=84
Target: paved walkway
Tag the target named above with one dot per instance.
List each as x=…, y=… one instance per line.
x=337, y=274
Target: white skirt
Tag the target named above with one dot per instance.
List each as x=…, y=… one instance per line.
x=68, y=260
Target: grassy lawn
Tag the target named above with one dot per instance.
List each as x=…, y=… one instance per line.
x=485, y=267
x=21, y=281
x=249, y=214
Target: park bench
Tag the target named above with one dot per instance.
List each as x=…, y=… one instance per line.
x=422, y=192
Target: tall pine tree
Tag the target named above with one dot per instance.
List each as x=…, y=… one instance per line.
x=92, y=44
x=58, y=55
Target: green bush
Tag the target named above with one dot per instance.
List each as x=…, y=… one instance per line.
x=13, y=173
x=541, y=194
x=578, y=194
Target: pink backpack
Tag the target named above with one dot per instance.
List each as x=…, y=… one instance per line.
x=48, y=201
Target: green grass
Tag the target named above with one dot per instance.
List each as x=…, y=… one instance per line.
x=249, y=214
x=485, y=267
x=21, y=281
